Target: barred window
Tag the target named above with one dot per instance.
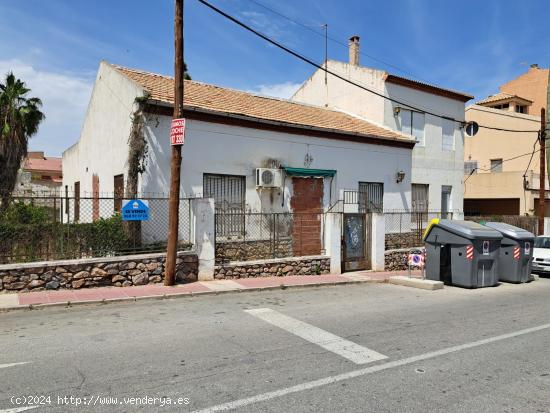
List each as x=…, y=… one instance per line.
x=228, y=192
x=420, y=197
x=371, y=197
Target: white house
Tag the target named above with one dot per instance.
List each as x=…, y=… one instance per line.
x=437, y=166
x=229, y=135
x=311, y=153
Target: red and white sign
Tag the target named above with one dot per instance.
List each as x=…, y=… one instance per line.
x=177, y=132
x=415, y=260
x=470, y=252
x=516, y=253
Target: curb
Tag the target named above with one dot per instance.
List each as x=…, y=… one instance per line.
x=282, y=286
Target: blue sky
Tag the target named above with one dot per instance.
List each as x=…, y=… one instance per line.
x=56, y=45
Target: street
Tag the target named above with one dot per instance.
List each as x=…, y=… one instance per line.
x=452, y=350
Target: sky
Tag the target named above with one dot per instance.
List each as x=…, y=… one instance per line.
x=55, y=46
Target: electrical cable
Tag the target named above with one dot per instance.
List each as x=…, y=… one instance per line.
x=504, y=160
x=532, y=154
x=312, y=63
x=332, y=39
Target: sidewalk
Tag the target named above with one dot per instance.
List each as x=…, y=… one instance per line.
x=159, y=291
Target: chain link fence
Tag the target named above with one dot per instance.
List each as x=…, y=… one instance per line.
x=528, y=223
x=246, y=236
x=41, y=227
x=404, y=229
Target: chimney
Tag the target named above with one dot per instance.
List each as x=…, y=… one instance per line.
x=534, y=66
x=354, y=50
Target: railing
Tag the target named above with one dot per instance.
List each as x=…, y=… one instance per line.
x=245, y=236
x=51, y=227
x=404, y=229
x=528, y=223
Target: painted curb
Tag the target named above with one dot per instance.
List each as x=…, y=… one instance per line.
x=282, y=286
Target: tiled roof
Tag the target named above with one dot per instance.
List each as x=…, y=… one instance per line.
x=426, y=87
x=234, y=102
x=500, y=96
x=43, y=164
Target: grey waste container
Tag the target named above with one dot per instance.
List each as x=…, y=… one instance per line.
x=462, y=253
x=516, y=252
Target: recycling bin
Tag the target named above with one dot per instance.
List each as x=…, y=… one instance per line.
x=462, y=253
x=516, y=252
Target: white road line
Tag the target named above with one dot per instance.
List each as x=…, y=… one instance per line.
x=18, y=409
x=338, y=345
x=3, y=366
x=368, y=370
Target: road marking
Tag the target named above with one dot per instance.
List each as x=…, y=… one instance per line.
x=3, y=366
x=331, y=342
x=364, y=371
x=18, y=409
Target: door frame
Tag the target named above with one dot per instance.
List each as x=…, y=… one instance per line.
x=357, y=263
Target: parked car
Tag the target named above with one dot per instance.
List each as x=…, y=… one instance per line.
x=541, y=255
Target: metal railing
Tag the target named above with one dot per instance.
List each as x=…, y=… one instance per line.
x=404, y=229
x=245, y=236
x=528, y=223
x=51, y=227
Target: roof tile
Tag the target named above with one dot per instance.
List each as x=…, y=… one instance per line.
x=219, y=99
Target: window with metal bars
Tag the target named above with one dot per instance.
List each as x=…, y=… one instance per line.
x=420, y=197
x=371, y=197
x=229, y=193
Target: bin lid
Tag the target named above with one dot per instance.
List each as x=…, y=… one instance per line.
x=468, y=229
x=510, y=231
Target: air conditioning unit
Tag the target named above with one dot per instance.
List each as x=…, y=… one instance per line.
x=269, y=178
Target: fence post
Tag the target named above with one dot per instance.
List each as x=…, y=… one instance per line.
x=205, y=245
x=333, y=241
x=378, y=234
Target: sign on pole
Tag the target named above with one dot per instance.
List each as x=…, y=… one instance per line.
x=472, y=128
x=135, y=210
x=177, y=131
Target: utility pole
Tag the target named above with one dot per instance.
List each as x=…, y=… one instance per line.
x=326, y=51
x=542, y=194
x=175, y=164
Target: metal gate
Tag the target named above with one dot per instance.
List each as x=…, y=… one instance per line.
x=356, y=242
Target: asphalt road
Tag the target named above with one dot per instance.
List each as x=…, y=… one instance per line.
x=452, y=350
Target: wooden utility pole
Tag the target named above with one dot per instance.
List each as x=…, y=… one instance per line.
x=175, y=164
x=542, y=194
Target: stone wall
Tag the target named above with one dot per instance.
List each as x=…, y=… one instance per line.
x=227, y=251
x=403, y=240
x=95, y=272
x=396, y=260
x=277, y=267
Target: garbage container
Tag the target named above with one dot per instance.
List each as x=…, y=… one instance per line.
x=516, y=252
x=462, y=253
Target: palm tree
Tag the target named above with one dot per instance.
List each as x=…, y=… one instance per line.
x=19, y=120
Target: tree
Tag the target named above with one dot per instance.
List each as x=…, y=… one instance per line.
x=20, y=117
x=186, y=74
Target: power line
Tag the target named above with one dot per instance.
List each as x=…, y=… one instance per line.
x=332, y=39
x=505, y=160
x=312, y=63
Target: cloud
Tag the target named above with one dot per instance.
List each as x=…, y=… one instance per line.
x=278, y=90
x=65, y=98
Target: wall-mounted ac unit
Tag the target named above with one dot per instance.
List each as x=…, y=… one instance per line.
x=269, y=178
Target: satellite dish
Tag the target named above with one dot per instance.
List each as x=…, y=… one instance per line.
x=471, y=128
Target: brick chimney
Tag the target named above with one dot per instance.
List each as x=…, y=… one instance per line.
x=354, y=50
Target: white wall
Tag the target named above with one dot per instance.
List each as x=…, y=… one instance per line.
x=431, y=165
x=103, y=145
x=223, y=149
x=338, y=94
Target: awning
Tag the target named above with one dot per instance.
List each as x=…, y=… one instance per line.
x=320, y=173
